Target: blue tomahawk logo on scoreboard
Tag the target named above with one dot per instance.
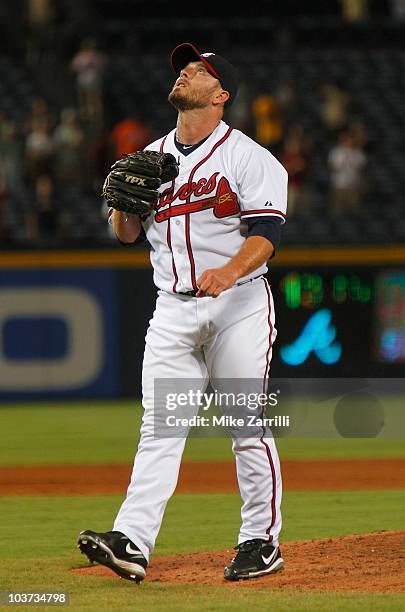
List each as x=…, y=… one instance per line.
x=318, y=336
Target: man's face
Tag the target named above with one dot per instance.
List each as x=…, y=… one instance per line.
x=195, y=88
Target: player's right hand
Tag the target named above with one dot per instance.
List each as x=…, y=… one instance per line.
x=214, y=281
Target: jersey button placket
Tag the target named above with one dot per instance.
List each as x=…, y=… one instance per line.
x=178, y=247
x=178, y=231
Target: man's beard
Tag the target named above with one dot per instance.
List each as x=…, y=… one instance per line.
x=183, y=102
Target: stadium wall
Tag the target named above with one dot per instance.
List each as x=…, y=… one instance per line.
x=72, y=323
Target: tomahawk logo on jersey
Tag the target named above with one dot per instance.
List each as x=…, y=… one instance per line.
x=198, y=223
x=224, y=202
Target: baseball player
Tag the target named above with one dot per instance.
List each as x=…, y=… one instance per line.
x=211, y=203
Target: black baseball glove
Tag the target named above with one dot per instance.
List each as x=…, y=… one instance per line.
x=133, y=183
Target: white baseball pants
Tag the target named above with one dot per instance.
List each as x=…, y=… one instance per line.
x=229, y=337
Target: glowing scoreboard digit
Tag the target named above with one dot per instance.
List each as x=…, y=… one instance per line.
x=311, y=290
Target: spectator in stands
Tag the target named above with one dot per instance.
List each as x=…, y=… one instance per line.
x=39, y=17
x=68, y=141
x=295, y=159
x=359, y=134
x=39, y=151
x=89, y=64
x=347, y=163
x=398, y=9
x=268, y=122
x=354, y=11
x=334, y=107
x=129, y=135
x=45, y=214
x=287, y=99
x=40, y=113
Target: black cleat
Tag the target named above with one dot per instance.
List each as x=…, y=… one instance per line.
x=114, y=550
x=255, y=558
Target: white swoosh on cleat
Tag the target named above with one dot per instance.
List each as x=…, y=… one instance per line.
x=267, y=560
x=130, y=550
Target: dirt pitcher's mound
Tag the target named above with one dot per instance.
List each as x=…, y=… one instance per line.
x=373, y=562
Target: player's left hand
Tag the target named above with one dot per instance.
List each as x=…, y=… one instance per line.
x=213, y=282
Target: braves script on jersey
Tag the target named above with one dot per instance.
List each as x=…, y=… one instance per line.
x=198, y=220
x=199, y=224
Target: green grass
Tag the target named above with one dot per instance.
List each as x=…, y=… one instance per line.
x=207, y=521
x=109, y=595
x=37, y=548
x=38, y=534
x=107, y=432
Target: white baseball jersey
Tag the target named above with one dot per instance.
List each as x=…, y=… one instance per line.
x=199, y=220
x=199, y=225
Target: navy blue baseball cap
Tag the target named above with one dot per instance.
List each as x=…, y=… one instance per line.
x=216, y=65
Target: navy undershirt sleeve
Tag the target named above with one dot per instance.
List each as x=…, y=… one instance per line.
x=268, y=227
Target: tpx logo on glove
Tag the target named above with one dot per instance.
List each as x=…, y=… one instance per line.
x=130, y=178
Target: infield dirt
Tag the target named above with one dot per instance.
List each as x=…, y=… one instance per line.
x=212, y=477
x=368, y=563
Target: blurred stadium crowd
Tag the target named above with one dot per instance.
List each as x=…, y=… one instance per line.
x=83, y=83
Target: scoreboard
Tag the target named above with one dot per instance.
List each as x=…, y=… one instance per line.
x=339, y=322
